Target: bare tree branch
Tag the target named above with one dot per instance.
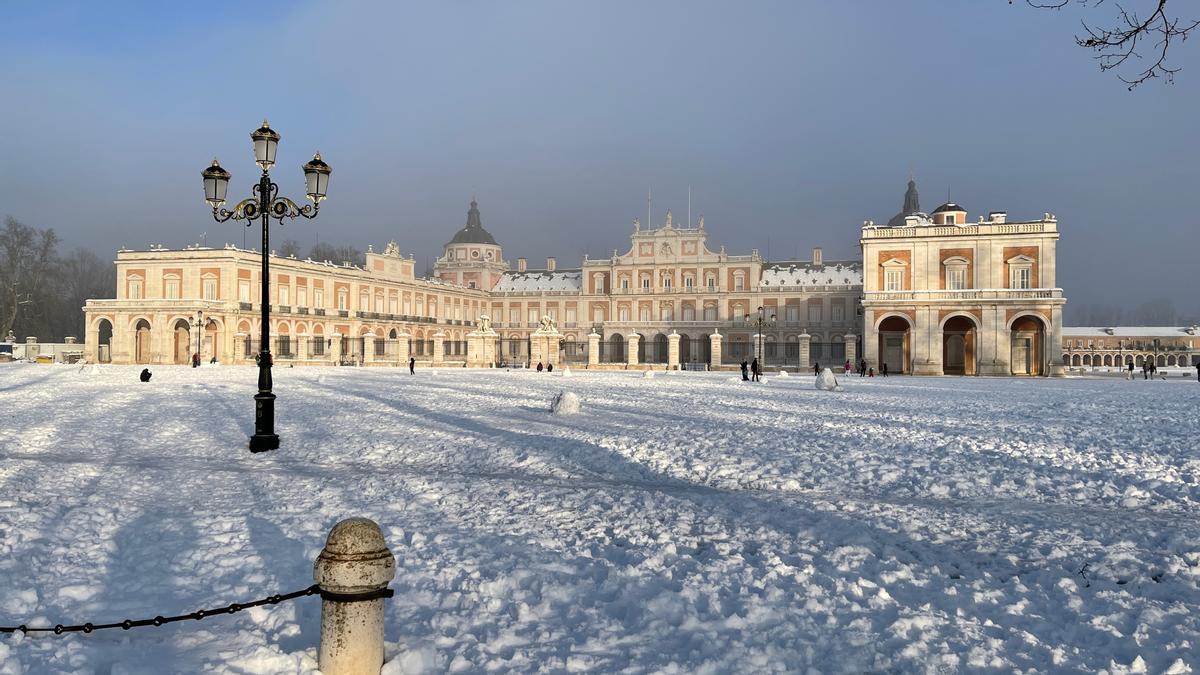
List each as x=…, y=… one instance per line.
x=1118, y=43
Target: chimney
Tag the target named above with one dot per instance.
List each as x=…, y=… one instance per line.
x=998, y=216
x=550, y=264
x=520, y=265
x=817, y=256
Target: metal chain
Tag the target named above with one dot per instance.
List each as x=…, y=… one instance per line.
x=315, y=589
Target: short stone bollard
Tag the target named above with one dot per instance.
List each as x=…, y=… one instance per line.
x=353, y=572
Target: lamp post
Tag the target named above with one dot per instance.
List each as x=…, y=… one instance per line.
x=199, y=322
x=264, y=205
x=760, y=322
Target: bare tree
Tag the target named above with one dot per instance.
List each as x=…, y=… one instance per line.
x=289, y=247
x=1117, y=42
x=27, y=259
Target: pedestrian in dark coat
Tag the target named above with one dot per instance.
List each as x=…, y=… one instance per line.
x=1198, y=371
x=145, y=376
x=745, y=371
x=196, y=360
x=540, y=367
x=883, y=369
x=862, y=368
x=755, y=370
x=550, y=368
x=412, y=365
x=816, y=369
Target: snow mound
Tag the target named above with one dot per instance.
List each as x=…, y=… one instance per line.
x=433, y=373
x=565, y=403
x=647, y=374
x=827, y=382
x=566, y=372
x=783, y=373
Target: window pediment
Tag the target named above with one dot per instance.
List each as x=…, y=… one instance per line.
x=1020, y=260
x=955, y=261
x=894, y=262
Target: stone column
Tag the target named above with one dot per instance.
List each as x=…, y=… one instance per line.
x=368, y=355
x=714, y=357
x=302, y=346
x=31, y=348
x=927, y=341
x=335, y=348
x=632, y=345
x=805, y=341
x=851, y=350
x=673, y=351
x=239, y=347
x=439, y=354
x=1053, y=348
x=870, y=340
x=593, y=349
x=355, y=562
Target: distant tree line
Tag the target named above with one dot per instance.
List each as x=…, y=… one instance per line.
x=42, y=291
x=1156, y=312
x=321, y=252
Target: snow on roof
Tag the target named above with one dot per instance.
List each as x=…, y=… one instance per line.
x=539, y=280
x=845, y=273
x=1130, y=331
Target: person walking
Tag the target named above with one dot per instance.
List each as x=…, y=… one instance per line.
x=1145, y=370
x=540, y=367
x=196, y=360
x=755, y=370
x=1198, y=371
x=846, y=368
x=816, y=369
x=550, y=368
x=412, y=365
x=883, y=369
x=1130, y=364
x=862, y=368
x=745, y=372
x=145, y=376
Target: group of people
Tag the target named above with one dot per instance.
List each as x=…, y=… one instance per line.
x=864, y=371
x=1150, y=370
x=549, y=367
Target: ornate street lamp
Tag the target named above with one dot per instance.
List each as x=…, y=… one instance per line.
x=264, y=205
x=199, y=322
x=760, y=322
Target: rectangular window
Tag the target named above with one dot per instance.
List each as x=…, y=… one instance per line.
x=302, y=296
x=689, y=282
x=533, y=315
x=645, y=282
x=172, y=289
x=571, y=315
x=343, y=301
x=1021, y=277
x=950, y=218
x=839, y=313
x=597, y=314
x=893, y=280
x=135, y=289
x=210, y=289
x=644, y=314
x=712, y=282
x=319, y=298
x=393, y=305
x=283, y=295
x=814, y=313
x=739, y=283
x=792, y=314
x=956, y=279
x=244, y=290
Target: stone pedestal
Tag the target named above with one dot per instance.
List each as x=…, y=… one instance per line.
x=303, y=343
x=335, y=348
x=714, y=345
x=805, y=341
x=355, y=562
x=439, y=352
x=543, y=346
x=851, y=351
x=481, y=348
x=632, y=356
x=402, y=354
x=368, y=355
x=673, y=351
x=593, y=349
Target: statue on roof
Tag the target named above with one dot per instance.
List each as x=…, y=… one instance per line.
x=912, y=205
x=392, y=249
x=668, y=224
x=637, y=225
x=701, y=223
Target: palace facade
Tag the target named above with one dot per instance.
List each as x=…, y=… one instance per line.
x=939, y=296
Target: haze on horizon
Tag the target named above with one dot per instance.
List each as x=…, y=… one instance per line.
x=792, y=122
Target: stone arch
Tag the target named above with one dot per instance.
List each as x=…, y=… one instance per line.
x=959, y=338
x=1108, y=360
x=1087, y=359
x=141, y=341
x=1161, y=361
x=181, y=332
x=1027, y=336
x=392, y=334
x=895, y=337
x=1139, y=360
x=244, y=327
x=104, y=333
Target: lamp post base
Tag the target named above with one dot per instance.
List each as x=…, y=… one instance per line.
x=264, y=442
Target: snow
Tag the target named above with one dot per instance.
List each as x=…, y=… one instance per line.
x=808, y=274
x=522, y=282
x=565, y=403
x=691, y=523
x=1131, y=331
x=827, y=382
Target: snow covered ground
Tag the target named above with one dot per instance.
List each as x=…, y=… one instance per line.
x=685, y=523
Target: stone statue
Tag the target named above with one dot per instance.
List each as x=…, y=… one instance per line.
x=548, y=324
x=668, y=217
x=665, y=249
x=392, y=249
x=485, y=323
x=637, y=225
x=701, y=222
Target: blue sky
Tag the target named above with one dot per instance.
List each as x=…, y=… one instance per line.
x=792, y=121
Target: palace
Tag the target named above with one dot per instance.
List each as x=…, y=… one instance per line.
x=939, y=295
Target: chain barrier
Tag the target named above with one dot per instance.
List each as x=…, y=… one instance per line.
x=233, y=608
